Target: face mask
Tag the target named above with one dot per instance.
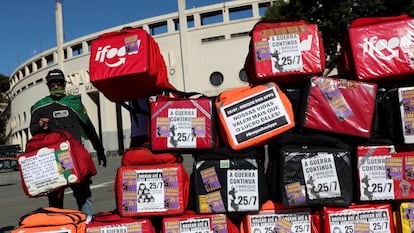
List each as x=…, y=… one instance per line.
x=58, y=92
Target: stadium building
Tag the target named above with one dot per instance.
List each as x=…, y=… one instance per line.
x=204, y=55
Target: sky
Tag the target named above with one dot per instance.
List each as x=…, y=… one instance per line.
x=27, y=27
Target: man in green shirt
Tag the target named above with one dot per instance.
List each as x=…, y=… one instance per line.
x=60, y=111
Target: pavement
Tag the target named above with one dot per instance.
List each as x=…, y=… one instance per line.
x=14, y=203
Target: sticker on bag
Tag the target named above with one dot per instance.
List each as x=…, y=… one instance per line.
x=255, y=115
x=243, y=190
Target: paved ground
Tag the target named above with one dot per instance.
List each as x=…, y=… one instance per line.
x=14, y=203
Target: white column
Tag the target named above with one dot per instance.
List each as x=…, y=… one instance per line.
x=183, y=38
x=59, y=33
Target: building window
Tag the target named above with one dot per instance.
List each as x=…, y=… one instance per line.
x=190, y=23
x=211, y=17
x=158, y=28
x=214, y=38
x=241, y=12
x=263, y=7
x=243, y=75
x=49, y=59
x=38, y=64
x=77, y=50
x=216, y=78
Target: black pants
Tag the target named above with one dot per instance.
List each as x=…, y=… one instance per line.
x=81, y=192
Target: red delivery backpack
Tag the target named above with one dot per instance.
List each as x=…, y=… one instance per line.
x=374, y=218
x=145, y=156
x=385, y=174
x=274, y=217
x=338, y=106
x=378, y=49
x=111, y=221
x=127, y=65
x=151, y=184
x=151, y=190
x=284, y=52
x=183, y=121
x=52, y=161
x=193, y=222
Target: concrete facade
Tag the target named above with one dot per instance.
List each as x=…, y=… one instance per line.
x=215, y=40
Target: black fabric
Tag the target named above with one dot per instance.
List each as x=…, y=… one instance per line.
x=60, y=118
x=285, y=166
x=81, y=192
x=249, y=159
x=390, y=112
x=54, y=75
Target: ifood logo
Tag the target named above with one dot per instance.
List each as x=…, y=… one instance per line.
x=103, y=54
x=386, y=49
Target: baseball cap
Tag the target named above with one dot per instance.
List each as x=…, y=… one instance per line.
x=55, y=75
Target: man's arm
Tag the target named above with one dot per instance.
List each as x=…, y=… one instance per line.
x=90, y=132
x=38, y=124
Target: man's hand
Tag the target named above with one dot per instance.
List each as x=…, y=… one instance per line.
x=101, y=158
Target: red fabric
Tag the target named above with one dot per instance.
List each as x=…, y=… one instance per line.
x=284, y=52
x=217, y=222
x=340, y=106
x=127, y=65
x=80, y=159
x=274, y=209
x=166, y=185
x=393, y=182
x=113, y=220
x=145, y=156
x=355, y=214
x=378, y=49
x=183, y=123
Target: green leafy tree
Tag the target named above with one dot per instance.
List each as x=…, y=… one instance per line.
x=334, y=17
x=4, y=104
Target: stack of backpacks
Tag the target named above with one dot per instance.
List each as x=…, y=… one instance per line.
x=295, y=151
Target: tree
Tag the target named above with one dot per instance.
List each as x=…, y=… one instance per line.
x=4, y=107
x=334, y=17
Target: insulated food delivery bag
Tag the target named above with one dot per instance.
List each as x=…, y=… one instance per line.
x=250, y=116
x=151, y=190
x=314, y=169
x=192, y=222
x=180, y=123
x=127, y=65
x=224, y=180
x=398, y=113
x=273, y=217
x=51, y=219
x=374, y=218
x=379, y=49
x=113, y=222
x=406, y=217
x=52, y=161
x=338, y=105
x=385, y=175
x=284, y=52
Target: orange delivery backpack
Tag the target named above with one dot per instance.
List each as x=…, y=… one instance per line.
x=251, y=116
x=51, y=219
